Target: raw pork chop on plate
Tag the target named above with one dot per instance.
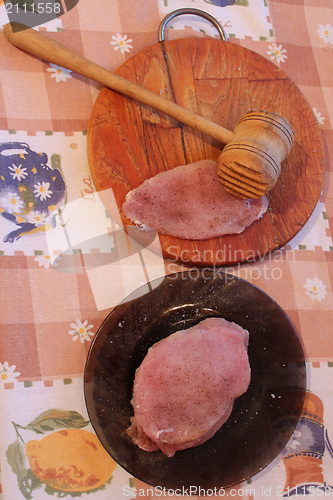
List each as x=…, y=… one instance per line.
x=185, y=387
x=189, y=202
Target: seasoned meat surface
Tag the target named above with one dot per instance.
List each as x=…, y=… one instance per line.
x=185, y=387
x=189, y=202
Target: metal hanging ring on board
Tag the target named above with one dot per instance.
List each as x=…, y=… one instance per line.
x=195, y=12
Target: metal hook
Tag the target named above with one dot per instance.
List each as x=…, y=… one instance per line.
x=195, y=12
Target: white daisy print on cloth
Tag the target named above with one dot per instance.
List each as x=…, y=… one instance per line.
x=59, y=73
x=325, y=33
x=277, y=53
x=122, y=43
x=43, y=261
x=8, y=373
x=319, y=116
x=36, y=218
x=81, y=331
x=17, y=172
x=315, y=289
x=42, y=190
x=11, y=202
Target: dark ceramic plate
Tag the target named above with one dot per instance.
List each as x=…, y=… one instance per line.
x=262, y=420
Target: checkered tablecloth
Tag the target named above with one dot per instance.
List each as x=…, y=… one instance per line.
x=60, y=277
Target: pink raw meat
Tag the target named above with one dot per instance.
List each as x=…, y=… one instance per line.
x=190, y=202
x=185, y=387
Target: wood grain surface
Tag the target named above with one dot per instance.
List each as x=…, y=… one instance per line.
x=129, y=142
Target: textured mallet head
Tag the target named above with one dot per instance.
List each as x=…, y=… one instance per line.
x=250, y=164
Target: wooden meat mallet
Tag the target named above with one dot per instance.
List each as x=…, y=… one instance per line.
x=249, y=164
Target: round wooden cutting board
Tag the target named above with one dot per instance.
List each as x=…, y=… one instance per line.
x=129, y=142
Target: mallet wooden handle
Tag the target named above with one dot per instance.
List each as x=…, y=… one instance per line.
x=39, y=45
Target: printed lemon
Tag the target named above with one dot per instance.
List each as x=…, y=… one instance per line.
x=70, y=460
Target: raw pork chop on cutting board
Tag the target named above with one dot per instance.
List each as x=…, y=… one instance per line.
x=190, y=202
x=185, y=387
